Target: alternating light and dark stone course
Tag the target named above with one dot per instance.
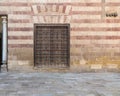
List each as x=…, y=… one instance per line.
x=94, y=30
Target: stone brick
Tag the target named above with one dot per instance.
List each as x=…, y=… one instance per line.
x=93, y=33
x=90, y=95
x=42, y=8
x=112, y=66
x=23, y=62
x=56, y=19
x=4, y=8
x=84, y=1
x=81, y=42
x=20, y=45
x=86, y=12
x=86, y=16
x=49, y=8
x=86, y=8
x=95, y=37
x=20, y=41
x=20, y=37
x=68, y=9
x=11, y=16
x=20, y=8
x=94, y=25
x=95, y=29
x=61, y=20
x=115, y=1
x=19, y=20
x=35, y=19
x=20, y=29
x=41, y=19
x=87, y=4
x=20, y=25
x=68, y=19
x=54, y=8
x=48, y=19
x=17, y=1
x=20, y=33
x=35, y=10
x=60, y=9
x=96, y=66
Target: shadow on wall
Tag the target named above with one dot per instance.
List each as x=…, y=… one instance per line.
x=0, y=39
x=0, y=24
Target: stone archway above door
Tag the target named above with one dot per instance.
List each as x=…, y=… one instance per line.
x=53, y=13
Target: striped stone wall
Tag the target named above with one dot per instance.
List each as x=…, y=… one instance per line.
x=94, y=37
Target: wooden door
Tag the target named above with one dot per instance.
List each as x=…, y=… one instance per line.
x=51, y=46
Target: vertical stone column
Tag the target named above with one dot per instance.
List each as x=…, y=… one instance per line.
x=4, y=40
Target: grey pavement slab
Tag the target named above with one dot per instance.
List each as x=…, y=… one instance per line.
x=59, y=84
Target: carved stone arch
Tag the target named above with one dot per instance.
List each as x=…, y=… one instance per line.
x=53, y=13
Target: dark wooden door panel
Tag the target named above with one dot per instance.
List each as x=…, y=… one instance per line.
x=52, y=45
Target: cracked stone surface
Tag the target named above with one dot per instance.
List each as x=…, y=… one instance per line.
x=59, y=84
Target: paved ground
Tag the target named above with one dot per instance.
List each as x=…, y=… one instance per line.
x=59, y=84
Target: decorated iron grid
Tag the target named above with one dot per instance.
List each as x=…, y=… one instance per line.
x=51, y=45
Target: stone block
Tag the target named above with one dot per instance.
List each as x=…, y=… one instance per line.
x=96, y=66
x=90, y=95
x=41, y=19
x=60, y=9
x=42, y=8
x=68, y=9
x=54, y=8
x=68, y=19
x=112, y=66
x=23, y=62
x=61, y=19
x=35, y=19
x=20, y=41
